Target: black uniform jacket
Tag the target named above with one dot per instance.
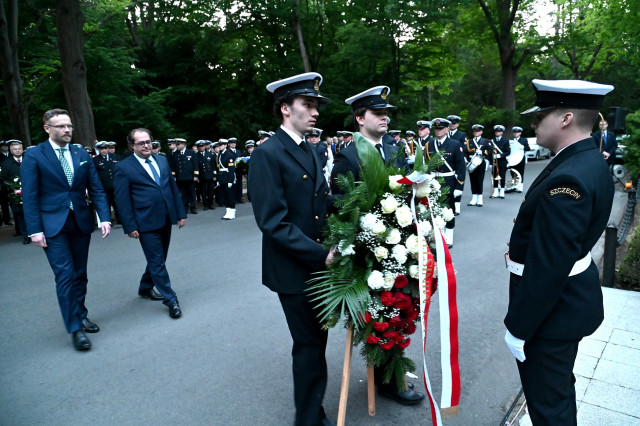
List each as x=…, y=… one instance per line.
x=459, y=136
x=10, y=170
x=105, y=169
x=347, y=160
x=205, y=165
x=290, y=198
x=562, y=216
x=452, y=151
x=184, y=166
x=485, y=145
x=504, y=146
x=227, y=160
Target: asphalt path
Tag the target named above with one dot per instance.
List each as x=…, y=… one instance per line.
x=227, y=360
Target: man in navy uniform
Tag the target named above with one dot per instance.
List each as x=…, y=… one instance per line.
x=554, y=290
x=479, y=150
x=313, y=137
x=105, y=166
x=501, y=150
x=290, y=196
x=150, y=204
x=606, y=142
x=424, y=132
x=184, y=167
x=56, y=177
x=227, y=179
x=205, y=175
x=370, y=109
x=457, y=134
x=452, y=169
x=517, y=136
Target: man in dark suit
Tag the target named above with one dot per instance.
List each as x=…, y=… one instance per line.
x=9, y=177
x=554, y=290
x=289, y=196
x=370, y=109
x=606, y=142
x=150, y=204
x=56, y=177
x=453, y=169
x=5, y=217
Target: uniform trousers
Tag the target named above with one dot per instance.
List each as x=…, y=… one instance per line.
x=476, y=178
x=309, y=363
x=187, y=193
x=450, y=182
x=501, y=171
x=238, y=186
x=206, y=189
x=4, y=205
x=548, y=381
x=228, y=195
x=155, y=245
x=67, y=253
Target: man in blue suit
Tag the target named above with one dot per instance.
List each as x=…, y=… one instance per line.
x=55, y=179
x=149, y=203
x=606, y=142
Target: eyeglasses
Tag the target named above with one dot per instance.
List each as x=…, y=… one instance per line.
x=62, y=126
x=143, y=143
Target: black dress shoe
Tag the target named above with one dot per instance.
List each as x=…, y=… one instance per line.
x=150, y=294
x=479, y=205
x=81, y=341
x=193, y=210
x=89, y=327
x=26, y=240
x=408, y=397
x=174, y=310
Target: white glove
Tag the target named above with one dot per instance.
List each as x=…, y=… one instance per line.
x=516, y=346
x=229, y=185
x=411, y=159
x=457, y=193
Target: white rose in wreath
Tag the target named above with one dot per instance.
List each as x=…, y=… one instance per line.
x=378, y=228
x=412, y=244
x=389, y=280
x=413, y=271
x=447, y=214
x=439, y=222
x=393, y=237
x=380, y=253
x=423, y=190
x=375, y=281
x=424, y=228
x=435, y=184
x=399, y=253
x=389, y=204
x=367, y=221
x=393, y=182
x=346, y=249
x=404, y=216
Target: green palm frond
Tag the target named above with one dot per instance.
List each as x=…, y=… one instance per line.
x=374, y=172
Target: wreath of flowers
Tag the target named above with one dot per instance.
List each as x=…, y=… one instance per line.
x=373, y=281
x=15, y=189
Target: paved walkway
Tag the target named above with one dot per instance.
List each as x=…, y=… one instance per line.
x=607, y=368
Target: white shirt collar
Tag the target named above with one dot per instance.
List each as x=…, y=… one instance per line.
x=297, y=139
x=55, y=146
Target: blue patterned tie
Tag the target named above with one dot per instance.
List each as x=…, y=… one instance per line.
x=66, y=168
x=154, y=172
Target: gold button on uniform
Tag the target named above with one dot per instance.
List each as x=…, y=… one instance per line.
x=317, y=218
x=304, y=177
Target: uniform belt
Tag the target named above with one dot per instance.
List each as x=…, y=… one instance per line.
x=518, y=268
x=445, y=174
x=223, y=169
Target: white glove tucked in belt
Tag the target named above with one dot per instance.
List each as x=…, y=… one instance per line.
x=516, y=346
x=457, y=193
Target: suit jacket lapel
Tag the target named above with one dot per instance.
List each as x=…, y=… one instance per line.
x=143, y=171
x=297, y=152
x=75, y=159
x=50, y=154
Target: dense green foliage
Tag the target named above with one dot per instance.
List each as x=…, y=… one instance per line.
x=198, y=69
x=629, y=273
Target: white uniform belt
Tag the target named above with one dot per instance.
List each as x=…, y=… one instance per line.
x=518, y=268
x=445, y=174
x=223, y=169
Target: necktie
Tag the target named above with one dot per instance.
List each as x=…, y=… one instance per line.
x=66, y=168
x=305, y=146
x=450, y=134
x=65, y=165
x=154, y=172
x=19, y=160
x=379, y=148
x=605, y=137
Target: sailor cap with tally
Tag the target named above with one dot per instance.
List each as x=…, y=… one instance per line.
x=422, y=124
x=233, y=140
x=171, y=141
x=453, y=118
x=346, y=133
x=440, y=123
x=307, y=84
x=155, y=144
x=14, y=142
x=498, y=128
x=111, y=143
x=394, y=133
x=180, y=140
x=223, y=142
x=374, y=98
x=250, y=143
x=315, y=132
x=477, y=127
x=568, y=93
x=516, y=129
x=410, y=133
x=102, y=144
x=263, y=134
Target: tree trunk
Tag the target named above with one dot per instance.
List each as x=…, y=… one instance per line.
x=17, y=104
x=298, y=28
x=69, y=22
